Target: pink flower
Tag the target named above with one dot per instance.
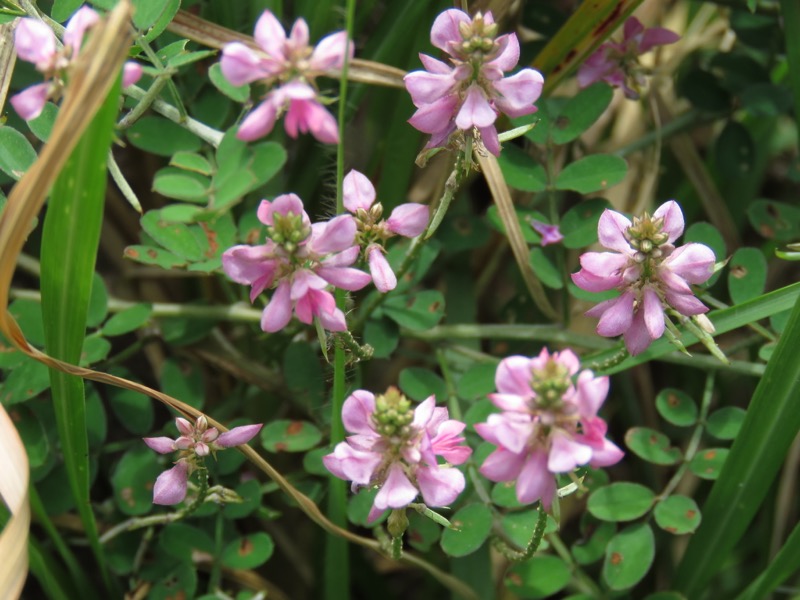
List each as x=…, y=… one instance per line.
x=549, y=423
x=289, y=66
x=407, y=220
x=551, y=234
x=300, y=261
x=468, y=95
x=35, y=42
x=394, y=448
x=617, y=63
x=649, y=271
x=196, y=441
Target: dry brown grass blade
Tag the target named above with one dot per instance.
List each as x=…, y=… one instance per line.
x=14, y=493
x=505, y=208
x=216, y=36
x=7, y=58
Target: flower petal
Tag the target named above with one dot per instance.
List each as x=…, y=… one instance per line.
x=566, y=454
x=330, y=52
x=35, y=43
x=671, y=212
x=344, y=277
x=278, y=312
x=409, y=219
x=653, y=313
x=241, y=65
x=637, y=337
x=259, y=122
x=270, y=35
x=502, y=465
x=445, y=28
x=335, y=236
x=170, y=486
x=426, y=87
x=30, y=102
x=440, y=486
x=612, y=229
x=357, y=191
x=693, y=262
x=618, y=317
x=535, y=482
x=357, y=412
x=238, y=435
x=519, y=92
x=397, y=491
x=162, y=445
x=476, y=110
x=382, y=274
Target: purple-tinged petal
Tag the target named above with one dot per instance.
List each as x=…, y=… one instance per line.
x=285, y=205
x=671, y=282
x=427, y=87
x=551, y=234
x=631, y=28
x=345, y=258
x=35, y=43
x=519, y=92
x=594, y=283
x=597, y=67
x=82, y=20
x=351, y=464
x=131, y=73
x=304, y=280
x=508, y=57
x=513, y=376
x=382, y=274
x=423, y=412
x=337, y=235
x=618, y=317
x=686, y=304
x=259, y=122
x=535, y=482
x=653, y=313
x=612, y=229
x=170, y=487
x=306, y=116
x=512, y=430
x=184, y=427
x=657, y=36
x=344, y=277
x=434, y=65
x=408, y=220
x=693, y=262
x=333, y=320
x=397, y=491
x=357, y=191
x=445, y=28
x=30, y=102
x=238, y=435
x=591, y=393
x=278, y=312
x=449, y=443
x=162, y=445
x=608, y=265
x=490, y=139
x=476, y=110
x=298, y=36
x=637, y=337
x=502, y=465
x=240, y=64
x=510, y=402
x=440, y=486
x=673, y=219
x=250, y=265
x=330, y=52
x=436, y=116
x=270, y=35
x=566, y=454
x=357, y=412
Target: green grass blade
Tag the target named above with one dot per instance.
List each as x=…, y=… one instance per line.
x=724, y=320
x=785, y=564
x=69, y=248
x=790, y=9
x=768, y=430
x=54, y=582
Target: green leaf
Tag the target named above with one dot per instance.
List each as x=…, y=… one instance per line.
x=42, y=125
x=181, y=213
x=383, y=335
x=191, y=161
x=70, y=240
x=147, y=12
x=179, y=581
x=592, y=173
x=418, y=383
x=182, y=185
x=290, y=436
x=127, y=320
x=748, y=274
x=94, y=349
x=133, y=480
x=240, y=93
x=150, y=255
x=735, y=150
x=505, y=493
x=545, y=270
x=241, y=168
x=775, y=220
x=473, y=524
x=422, y=532
x=676, y=407
x=652, y=446
x=629, y=556
x=64, y=9
x=418, y=311
x=588, y=551
x=184, y=380
x=677, y=514
x=132, y=409
x=25, y=381
x=161, y=136
x=620, y=501
x=303, y=375
x=707, y=463
x=182, y=541
x=780, y=567
x=477, y=381
x=248, y=552
x=250, y=492
x=519, y=526
x=170, y=8
x=540, y=577
x=579, y=223
x=580, y=112
x=33, y=436
x=16, y=152
x=520, y=171
x=177, y=238
x=725, y=423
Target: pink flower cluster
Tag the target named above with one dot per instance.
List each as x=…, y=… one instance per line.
x=468, y=94
x=289, y=66
x=36, y=43
x=194, y=444
x=549, y=423
x=395, y=448
x=300, y=261
x=617, y=63
x=649, y=271
x=407, y=220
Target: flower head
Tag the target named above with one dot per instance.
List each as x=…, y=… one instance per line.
x=549, y=423
x=288, y=66
x=300, y=260
x=470, y=92
x=551, y=234
x=196, y=441
x=36, y=43
x=407, y=220
x=617, y=63
x=649, y=271
x=394, y=448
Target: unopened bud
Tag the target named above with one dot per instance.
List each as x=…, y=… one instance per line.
x=397, y=522
x=704, y=323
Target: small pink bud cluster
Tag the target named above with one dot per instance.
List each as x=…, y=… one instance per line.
x=194, y=444
x=36, y=43
x=288, y=66
x=649, y=271
x=407, y=220
x=300, y=261
x=617, y=63
x=548, y=423
x=468, y=94
x=394, y=448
